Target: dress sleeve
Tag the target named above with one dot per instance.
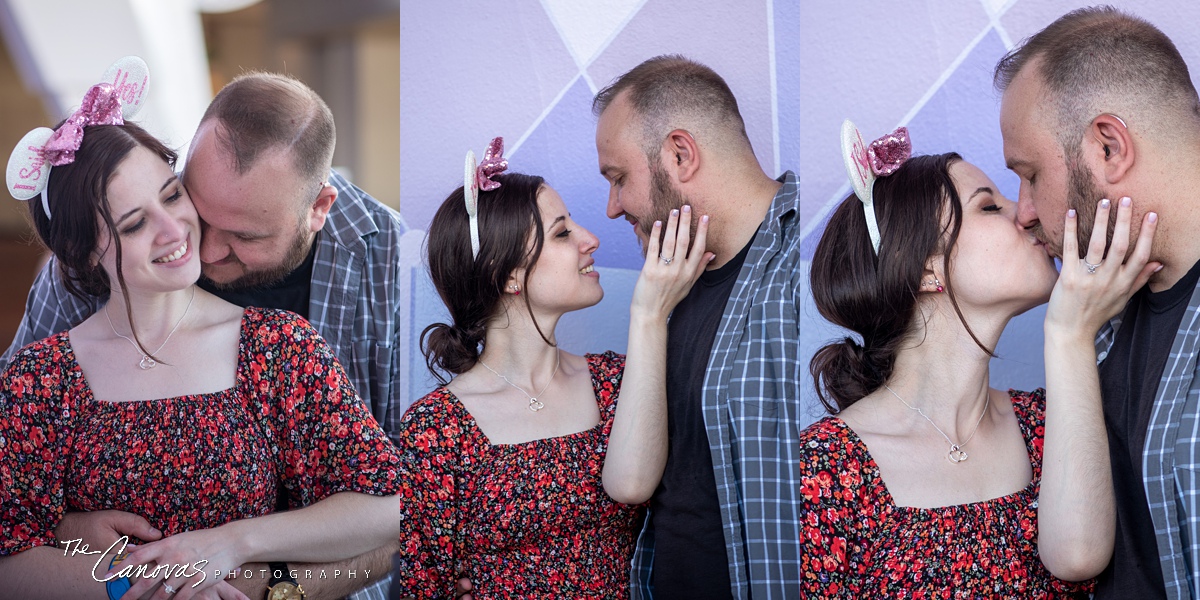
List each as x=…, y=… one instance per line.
x=34, y=423
x=829, y=493
x=430, y=440
x=328, y=440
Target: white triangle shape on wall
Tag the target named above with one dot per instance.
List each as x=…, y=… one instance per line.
x=995, y=7
x=587, y=25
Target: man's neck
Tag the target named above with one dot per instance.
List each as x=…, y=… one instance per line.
x=1176, y=244
x=735, y=213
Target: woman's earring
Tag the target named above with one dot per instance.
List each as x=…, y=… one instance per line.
x=516, y=289
x=936, y=284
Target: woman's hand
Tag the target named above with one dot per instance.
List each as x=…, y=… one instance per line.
x=1092, y=290
x=670, y=271
x=192, y=558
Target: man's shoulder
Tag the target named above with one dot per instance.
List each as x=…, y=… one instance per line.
x=359, y=215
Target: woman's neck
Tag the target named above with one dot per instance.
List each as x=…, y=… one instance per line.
x=155, y=315
x=516, y=349
x=944, y=373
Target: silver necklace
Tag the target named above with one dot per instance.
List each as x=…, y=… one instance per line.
x=956, y=453
x=148, y=363
x=534, y=404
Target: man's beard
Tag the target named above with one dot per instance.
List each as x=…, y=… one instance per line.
x=296, y=254
x=664, y=198
x=1084, y=195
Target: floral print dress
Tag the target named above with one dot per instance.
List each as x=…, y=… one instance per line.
x=291, y=421
x=856, y=543
x=527, y=520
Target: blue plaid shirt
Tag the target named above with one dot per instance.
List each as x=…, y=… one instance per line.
x=1171, y=454
x=754, y=415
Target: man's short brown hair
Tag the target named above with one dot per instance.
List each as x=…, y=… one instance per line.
x=262, y=111
x=665, y=89
x=1090, y=56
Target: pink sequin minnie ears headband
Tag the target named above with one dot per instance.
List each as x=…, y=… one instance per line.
x=119, y=96
x=866, y=163
x=479, y=177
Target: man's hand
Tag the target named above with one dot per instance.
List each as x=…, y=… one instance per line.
x=101, y=528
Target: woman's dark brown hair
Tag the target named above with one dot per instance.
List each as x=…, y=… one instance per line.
x=78, y=198
x=472, y=288
x=920, y=215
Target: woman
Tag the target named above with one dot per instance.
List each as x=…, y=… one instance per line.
x=506, y=479
x=926, y=480
x=170, y=402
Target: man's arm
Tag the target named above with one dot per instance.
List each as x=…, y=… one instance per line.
x=318, y=579
x=49, y=309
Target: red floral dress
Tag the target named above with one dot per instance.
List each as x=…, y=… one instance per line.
x=526, y=520
x=856, y=543
x=291, y=420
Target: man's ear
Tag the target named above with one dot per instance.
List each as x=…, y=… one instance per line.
x=320, y=208
x=1112, y=143
x=681, y=154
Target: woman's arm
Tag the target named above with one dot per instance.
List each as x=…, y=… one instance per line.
x=79, y=572
x=339, y=527
x=1076, y=508
x=637, y=443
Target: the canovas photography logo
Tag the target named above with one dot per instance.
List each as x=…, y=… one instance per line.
x=77, y=547
x=118, y=582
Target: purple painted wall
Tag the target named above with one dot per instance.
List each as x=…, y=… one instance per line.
x=471, y=70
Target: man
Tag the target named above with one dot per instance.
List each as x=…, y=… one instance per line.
x=280, y=230
x=1100, y=105
x=723, y=521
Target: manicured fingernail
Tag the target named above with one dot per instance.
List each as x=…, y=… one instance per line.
x=1104, y=203
x=714, y=257
x=687, y=208
x=704, y=219
x=1071, y=214
x=1158, y=268
x=674, y=212
x=1126, y=201
x=658, y=223
x=1153, y=217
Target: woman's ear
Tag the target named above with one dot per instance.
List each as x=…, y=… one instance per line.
x=931, y=280
x=514, y=282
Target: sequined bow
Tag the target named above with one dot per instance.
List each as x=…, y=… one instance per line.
x=887, y=153
x=101, y=106
x=479, y=177
x=493, y=163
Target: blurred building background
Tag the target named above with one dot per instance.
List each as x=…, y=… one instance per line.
x=53, y=50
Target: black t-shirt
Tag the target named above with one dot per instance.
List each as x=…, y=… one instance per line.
x=290, y=293
x=1129, y=379
x=689, y=543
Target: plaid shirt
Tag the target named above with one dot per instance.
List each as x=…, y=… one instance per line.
x=354, y=303
x=1171, y=455
x=753, y=414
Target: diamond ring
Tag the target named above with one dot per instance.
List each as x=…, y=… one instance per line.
x=1092, y=268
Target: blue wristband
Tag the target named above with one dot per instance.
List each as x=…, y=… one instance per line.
x=118, y=586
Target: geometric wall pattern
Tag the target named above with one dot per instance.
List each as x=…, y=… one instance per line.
x=527, y=70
